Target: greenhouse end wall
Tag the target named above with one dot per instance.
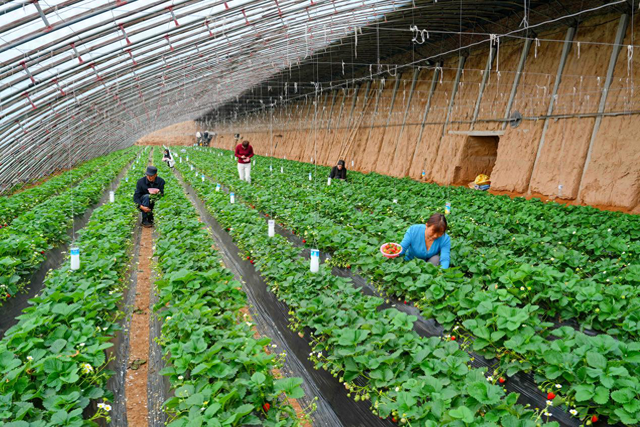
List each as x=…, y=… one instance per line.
x=545, y=156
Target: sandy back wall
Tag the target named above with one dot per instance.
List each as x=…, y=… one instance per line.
x=398, y=126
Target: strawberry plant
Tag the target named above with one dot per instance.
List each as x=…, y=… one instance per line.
x=220, y=373
x=502, y=316
x=53, y=364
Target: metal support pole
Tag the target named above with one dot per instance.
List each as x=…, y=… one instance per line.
x=375, y=111
x=571, y=31
x=333, y=102
x=416, y=72
x=393, y=97
x=485, y=77
x=516, y=80
x=434, y=82
x=454, y=91
x=622, y=29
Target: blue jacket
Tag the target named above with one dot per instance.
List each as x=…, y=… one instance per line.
x=414, y=246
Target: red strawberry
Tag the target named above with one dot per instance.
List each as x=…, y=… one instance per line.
x=394, y=419
x=248, y=257
x=251, y=261
x=8, y=295
x=551, y=395
x=304, y=241
x=594, y=419
x=42, y=252
x=502, y=380
x=405, y=302
x=453, y=338
x=266, y=407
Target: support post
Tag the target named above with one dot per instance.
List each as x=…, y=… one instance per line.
x=571, y=31
x=434, y=82
x=416, y=72
x=485, y=77
x=454, y=91
x=516, y=80
x=622, y=29
x=333, y=102
x=393, y=101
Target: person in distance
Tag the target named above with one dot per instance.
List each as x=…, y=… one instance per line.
x=339, y=171
x=150, y=184
x=429, y=242
x=244, y=153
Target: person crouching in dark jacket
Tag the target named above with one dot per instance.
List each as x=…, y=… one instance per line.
x=339, y=171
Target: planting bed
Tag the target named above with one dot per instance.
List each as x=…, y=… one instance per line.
x=205, y=320
x=522, y=305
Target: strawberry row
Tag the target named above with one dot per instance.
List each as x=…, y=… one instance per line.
x=376, y=354
x=491, y=317
x=610, y=307
x=12, y=206
x=220, y=373
x=53, y=364
x=24, y=243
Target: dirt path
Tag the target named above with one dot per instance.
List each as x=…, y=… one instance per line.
x=136, y=378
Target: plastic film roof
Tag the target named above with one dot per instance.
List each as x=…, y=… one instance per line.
x=80, y=78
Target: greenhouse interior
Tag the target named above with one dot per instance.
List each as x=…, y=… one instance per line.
x=328, y=213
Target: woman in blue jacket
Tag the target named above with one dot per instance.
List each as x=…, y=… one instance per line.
x=429, y=241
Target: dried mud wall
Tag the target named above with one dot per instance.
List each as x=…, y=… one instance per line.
x=418, y=123
x=179, y=134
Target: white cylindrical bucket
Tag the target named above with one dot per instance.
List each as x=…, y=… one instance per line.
x=180, y=159
x=127, y=179
x=447, y=208
x=232, y=197
x=75, y=257
x=270, y=168
x=310, y=178
x=395, y=200
x=217, y=187
x=315, y=260
x=272, y=227
x=191, y=166
x=254, y=163
x=281, y=169
x=202, y=177
x=187, y=158
x=328, y=181
x=112, y=196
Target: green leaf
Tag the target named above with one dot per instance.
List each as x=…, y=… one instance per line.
x=289, y=386
x=258, y=378
x=584, y=392
x=462, y=413
x=596, y=360
x=602, y=395
x=623, y=396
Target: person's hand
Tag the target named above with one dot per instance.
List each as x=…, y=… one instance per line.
x=145, y=209
x=154, y=190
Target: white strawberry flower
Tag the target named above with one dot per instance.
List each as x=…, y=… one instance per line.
x=573, y=412
x=558, y=385
x=107, y=408
x=29, y=358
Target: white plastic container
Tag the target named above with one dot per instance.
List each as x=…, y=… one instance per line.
x=281, y=169
x=196, y=173
x=202, y=177
x=272, y=227
x=254, y=163
x=217, y=187
x=315, y=260
x=328, y=181
x=112, y=196
x=232, y=198
x=395, y=200
x=127, y=179
x=310, y=178
x=180, y=159
x=447, y=208
x=270, y=168
x=75, y=257
x=191, y=166
x=187, y=158
x=352, y=163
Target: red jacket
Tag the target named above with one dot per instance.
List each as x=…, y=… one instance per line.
x=241, y=151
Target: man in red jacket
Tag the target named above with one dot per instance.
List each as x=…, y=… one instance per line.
x=244, y=153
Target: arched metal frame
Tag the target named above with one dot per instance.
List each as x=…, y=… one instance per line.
x=104, y=73
x=81, y=78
